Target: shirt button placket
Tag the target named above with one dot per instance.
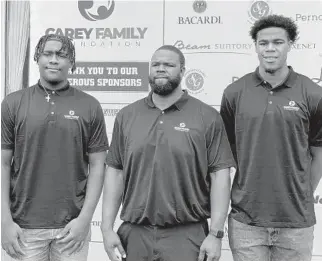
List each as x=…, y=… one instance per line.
x=161, y=121
x=52, y=108
x=270, y=102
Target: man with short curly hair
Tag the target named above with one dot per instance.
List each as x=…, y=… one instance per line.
x=273, y=120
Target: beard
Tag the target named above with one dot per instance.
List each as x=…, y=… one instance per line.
x=53, y=81
x=167, y=88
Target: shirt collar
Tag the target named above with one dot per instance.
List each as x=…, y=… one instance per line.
x=178, y=104
x=64, y=91
x=289, y=82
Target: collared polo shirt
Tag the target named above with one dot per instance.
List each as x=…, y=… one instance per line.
x=271, y=131
x=51, y=142
x=166, y=157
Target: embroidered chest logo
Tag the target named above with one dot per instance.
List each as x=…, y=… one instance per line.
x=71, y=115
x=291, y=106
x=182, y=127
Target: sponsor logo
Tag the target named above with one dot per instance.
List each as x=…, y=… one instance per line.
x=110, y=112
x=233, y=48
x=304, y=46
x=125, y=33
x=317, y=199
x=194, y=81
x=258, y=9
x=71, y=115
x=101, y=37
x=291, y=106
x=102, y=11
x=306, y=18
x=199, y=20
x=199, y=6
x=182, y=127
x=318, y=80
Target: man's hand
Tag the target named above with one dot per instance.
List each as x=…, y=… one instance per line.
x=111, y=241
x=11, y=239
x=74, y=235
x=211, y=247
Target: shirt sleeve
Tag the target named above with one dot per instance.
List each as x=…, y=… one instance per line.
x=98, y=141
x=115, y=154
x=228, y=115
x=316, y=126
x=218, y=148
x=7, y=127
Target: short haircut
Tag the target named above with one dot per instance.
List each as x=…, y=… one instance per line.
x=280, y=21
x=175, y=50
x=67, y=46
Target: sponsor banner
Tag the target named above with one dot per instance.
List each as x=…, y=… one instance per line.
x=213, y=35
x=102, y=31
x=110, y=76
x=207, y=45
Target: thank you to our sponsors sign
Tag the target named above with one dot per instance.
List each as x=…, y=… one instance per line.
x=110, y=76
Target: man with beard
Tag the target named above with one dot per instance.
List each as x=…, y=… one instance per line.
x=273, y=118
x=54, y=143
x=169, y=165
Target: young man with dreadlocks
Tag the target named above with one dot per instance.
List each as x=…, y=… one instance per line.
x=54, y=143
x=273, y=118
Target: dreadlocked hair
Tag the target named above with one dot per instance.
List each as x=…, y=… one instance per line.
x=67, y=45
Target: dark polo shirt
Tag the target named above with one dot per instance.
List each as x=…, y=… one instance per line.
x=166, y=158
x=271, y=131
x=50, y=142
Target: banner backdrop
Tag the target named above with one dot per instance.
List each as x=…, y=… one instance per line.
x=115, y=40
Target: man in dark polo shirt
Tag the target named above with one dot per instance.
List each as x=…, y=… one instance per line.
x=273, y=121
x=53, y=142
x=169, y=164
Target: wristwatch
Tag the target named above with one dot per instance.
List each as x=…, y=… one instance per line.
x=217, y=233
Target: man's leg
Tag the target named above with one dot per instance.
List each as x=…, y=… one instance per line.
x=294, y=244
x=248, y=243
x=181, y=243
x=56, y=255
x=36, y=245
x=137, y=241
